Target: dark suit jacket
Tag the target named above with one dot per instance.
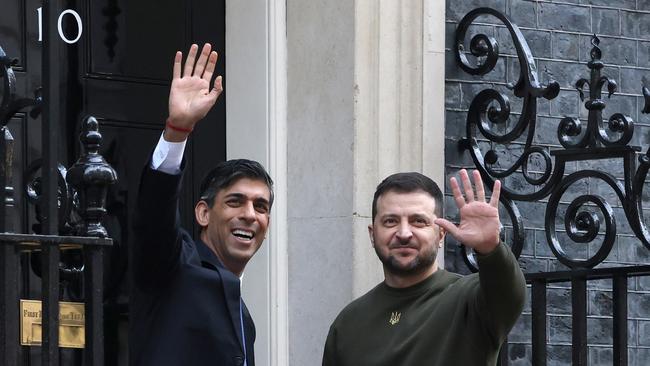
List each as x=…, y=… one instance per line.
x=185, y=304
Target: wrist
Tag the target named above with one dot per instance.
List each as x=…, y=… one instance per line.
x=487, y=249
x=174, y=132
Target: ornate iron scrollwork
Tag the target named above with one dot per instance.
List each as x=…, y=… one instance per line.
x=10, y=105
x=81, y=190
x=491, y=109
x=594, y=140
x=33, y=183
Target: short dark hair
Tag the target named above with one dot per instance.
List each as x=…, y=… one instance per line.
x=230, y=171
x=407, y=183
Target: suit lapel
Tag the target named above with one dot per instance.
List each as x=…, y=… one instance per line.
x=249, y=326
x=232, y=290
x=231, y=287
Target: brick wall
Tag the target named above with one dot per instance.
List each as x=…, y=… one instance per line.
x=559, y=34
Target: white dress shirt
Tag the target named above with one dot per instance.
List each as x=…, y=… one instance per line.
x=167, y=156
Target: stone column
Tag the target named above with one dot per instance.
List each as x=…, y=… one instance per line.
x=365, y=86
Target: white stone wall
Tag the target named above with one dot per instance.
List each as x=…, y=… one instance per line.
x=256, y=129
x=334, y=95
x=365, y=99
x=320, y=153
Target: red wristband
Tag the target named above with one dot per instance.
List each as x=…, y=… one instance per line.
x=176, y=128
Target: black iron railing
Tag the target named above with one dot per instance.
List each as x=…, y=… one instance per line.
x=12, y=245
x=69, y=205
x=588, y=218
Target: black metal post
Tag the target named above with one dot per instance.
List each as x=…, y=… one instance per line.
x=579, y=316
x=538, y=310
x=50, y=132
x=90, y=176
x=9, y=311
x=620, y=320
x=50, y=291
x=93, y=282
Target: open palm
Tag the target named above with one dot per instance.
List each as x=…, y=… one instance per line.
x=190, y=96
x=479, y=220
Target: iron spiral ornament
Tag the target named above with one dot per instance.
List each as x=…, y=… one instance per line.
x=587, y=219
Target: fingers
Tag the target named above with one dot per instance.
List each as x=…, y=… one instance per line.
x=467, y=186
x=478, y=184
x=177, y=65
x=448, y=226
x=469, y=189
x=212, y=63
x=203, y=67
x=218, y=86
x=458, y=195
x=189, y=63
x=203, y=59
x=496, y=191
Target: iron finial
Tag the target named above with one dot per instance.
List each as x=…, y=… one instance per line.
x=90, y=176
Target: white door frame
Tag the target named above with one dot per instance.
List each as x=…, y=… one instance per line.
x=255, y=91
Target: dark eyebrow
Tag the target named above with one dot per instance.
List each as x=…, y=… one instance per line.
x=262, y=200
x=235, y=195
x=242, y=196
x=418, y=215
x=387, y=215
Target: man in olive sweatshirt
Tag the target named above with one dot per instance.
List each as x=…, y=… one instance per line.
x=421, y=314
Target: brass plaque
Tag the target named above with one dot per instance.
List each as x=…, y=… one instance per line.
x=72, y=321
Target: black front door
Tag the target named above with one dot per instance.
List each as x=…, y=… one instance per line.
x=116, y=66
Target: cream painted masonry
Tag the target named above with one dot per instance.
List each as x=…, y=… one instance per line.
x=398, y=115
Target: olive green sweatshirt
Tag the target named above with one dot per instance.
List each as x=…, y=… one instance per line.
x=445, y=320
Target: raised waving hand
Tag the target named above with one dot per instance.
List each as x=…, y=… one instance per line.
x=479, y=220
x=191, y=95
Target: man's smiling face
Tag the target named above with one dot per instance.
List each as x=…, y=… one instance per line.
x=404, y=234
x=237, y=222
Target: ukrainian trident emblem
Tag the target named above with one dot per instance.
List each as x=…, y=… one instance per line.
x=394, y=317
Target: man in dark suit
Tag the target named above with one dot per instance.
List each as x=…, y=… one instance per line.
x=187, y=307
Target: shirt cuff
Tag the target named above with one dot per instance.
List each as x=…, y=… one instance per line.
x=167, y=156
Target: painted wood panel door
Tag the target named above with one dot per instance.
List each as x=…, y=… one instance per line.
x=116, y=66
